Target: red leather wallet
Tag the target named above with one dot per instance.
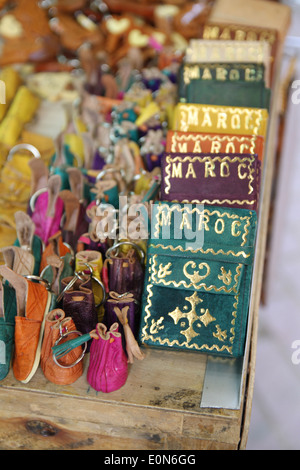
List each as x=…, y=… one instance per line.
x=200, y=142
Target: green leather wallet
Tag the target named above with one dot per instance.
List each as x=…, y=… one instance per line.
x=221, y=72
x=196, y=290
x=226, y=93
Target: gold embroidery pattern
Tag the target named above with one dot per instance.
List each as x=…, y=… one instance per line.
x=176, y=138
x=192, y=317
x=209, y=250
x=234, y=314
x=189, y=334
x=220, y=335
x=192, y=110
x=215, y=201
x=222, y=73
x=211, y=50
x=225, y=277
x=250, y=161
x=177, y=207
x=156, y=325
x=244, y=32
x=164, y=271
x=195, y=278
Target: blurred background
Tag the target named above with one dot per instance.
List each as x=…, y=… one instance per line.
x=275, y=419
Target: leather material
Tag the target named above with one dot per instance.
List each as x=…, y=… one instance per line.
x=57, y=322
x=229, y=180
x=48, y=210
x=36, y=250
x=91, y=260
x=27, y=239
x=133, y=314
x=230, y=51
x=106, y=191
x=197, y=142
x=58, y=268
x=8, y=310
x=20, y=112
x=254, y=95
x=224, y=85
x=33, y=301
x=221, y=72
x=19, y=260
x=220, y=119
x=56, y=246
x=12, y=80
x=79, y=304
x=152, y=149
x=237, y=32
x=196, y=292
x=125, y=273
x=108, y=369
x=75, y=202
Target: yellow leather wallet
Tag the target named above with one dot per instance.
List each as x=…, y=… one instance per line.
x=220, y=119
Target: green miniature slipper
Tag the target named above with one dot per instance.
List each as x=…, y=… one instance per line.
x=8, y=310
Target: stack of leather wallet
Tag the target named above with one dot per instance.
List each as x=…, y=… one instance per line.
x=204, y=228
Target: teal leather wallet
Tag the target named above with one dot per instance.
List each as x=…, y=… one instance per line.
x=198, y=278
x=224, y=85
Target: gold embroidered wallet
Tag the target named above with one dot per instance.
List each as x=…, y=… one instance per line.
x=201, y=142
x=225, y=93
x=258, y=52
x=224, y=84
x=220, y=119
x=198, y=277
x=230, y=180
x=238, y=32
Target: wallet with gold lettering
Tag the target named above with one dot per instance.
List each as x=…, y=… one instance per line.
x=238, y=32
x=199, y=142
x=202, y=50
x=222, y=72
x=243, y=94
x=223, y=84
x=199, y=269
x=229, y=180
x=220, y=119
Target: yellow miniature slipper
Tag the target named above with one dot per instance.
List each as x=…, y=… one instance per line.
x=147, y=113
x=44, y=144
x=24, y=105
x=7, y=236
x=16, y=175
x=76, y=146
x=10, y=130
x=10, y=81
x=20, y=112
x=90, y=262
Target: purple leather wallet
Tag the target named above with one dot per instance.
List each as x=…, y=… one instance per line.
x=219, y=179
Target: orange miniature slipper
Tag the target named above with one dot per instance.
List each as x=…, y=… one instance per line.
x=33, y=302
x=58, y=330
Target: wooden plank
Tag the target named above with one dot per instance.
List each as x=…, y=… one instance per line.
x=135, y=426
x=171, y=380
x=159, y=402
x=258, y=270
